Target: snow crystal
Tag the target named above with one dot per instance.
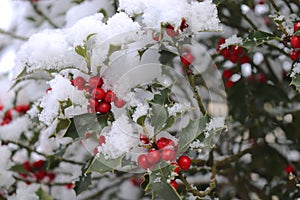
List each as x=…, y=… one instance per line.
x=5, y=164
x=62, y=90
x=296, y=70
x=45, y=50
x=120, y=139
x=178, y=108
x=13, y=130
x=141, y=109
x=196, y=144
x=25, y=192
x=233, y=40
x=201, y=16
x=214, y=123
x=87, y=8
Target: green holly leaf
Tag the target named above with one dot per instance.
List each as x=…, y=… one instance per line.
x=159, y=185
x=111, y=50
x=18, y=168
x=296, y=82
x=43, y=195
x=62, y=126
x=141, y=120
x=83, y=183
x=101, y=165
x=256, y=38
x=159, y=116
x=297, y=33
x=163, y=98
x=191, y=132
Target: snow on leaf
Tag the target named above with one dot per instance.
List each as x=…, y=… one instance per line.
x=256, y=38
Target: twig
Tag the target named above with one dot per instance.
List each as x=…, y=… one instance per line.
x=13, y=35
x=39, y=12
x=44, y=155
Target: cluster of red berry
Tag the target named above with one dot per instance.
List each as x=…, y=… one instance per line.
x=164, y=149
x=35, y=172
x=295, y=43
x=170, y=30
x=8, y=115
x=99, y=99
x=235, y=54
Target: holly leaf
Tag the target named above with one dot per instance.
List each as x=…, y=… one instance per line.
x=297, y=33
x=83, y=183
x=111, y=50
x=141, y=120
x=191, y=132
x=18, y=168
x=163, y=97
x=43, y=195
x=296, y=82
x=101, y=165
x=160, y=186
x=159, y=116
x=62, y=126
x=256, y=38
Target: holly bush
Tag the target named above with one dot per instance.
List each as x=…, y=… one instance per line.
x=151, y=100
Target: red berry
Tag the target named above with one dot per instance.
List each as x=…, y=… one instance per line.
x=69, y=186
x=136, y=181
x=236, y=50
x=22, y=108
x=227, y=73
x=87, y=89
x=234, y=58
x=177, y=167
x=244, y=59
x=220, y=42
x=168, y=155
x=229, y=84
x=142, y=161
x=174, y=184
x=48, y=90
x=26, y=166
x=186, y=59
x=170, y=31
x=261, y=78
x=1, y=107
x=164, y=142
x=295, y=42
x=183, y=25
x=119, y=103
x=93, y=103
x=38, y=164
x=103, y=107
x=153, y=156
x=79, y=82
x=144, y=139
x=40, y=175
x=294, y=55
x=51, y=176
x=98, y=94
x=101, y=140
x=184, y=162
x=225, y=53
x=95, y=81
x=296, y=26
x=109, y=96
x=95, y=151
x=23, y=175
x=289, y=169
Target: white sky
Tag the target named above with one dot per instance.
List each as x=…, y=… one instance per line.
x=6, y=14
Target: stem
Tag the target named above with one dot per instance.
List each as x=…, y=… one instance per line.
x=250, y=22
x=40, y=13
x=274, y=5
x=44, y=155
x=191, y=79
x=13, y=35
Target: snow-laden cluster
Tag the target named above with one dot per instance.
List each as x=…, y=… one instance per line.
x=201, y=16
